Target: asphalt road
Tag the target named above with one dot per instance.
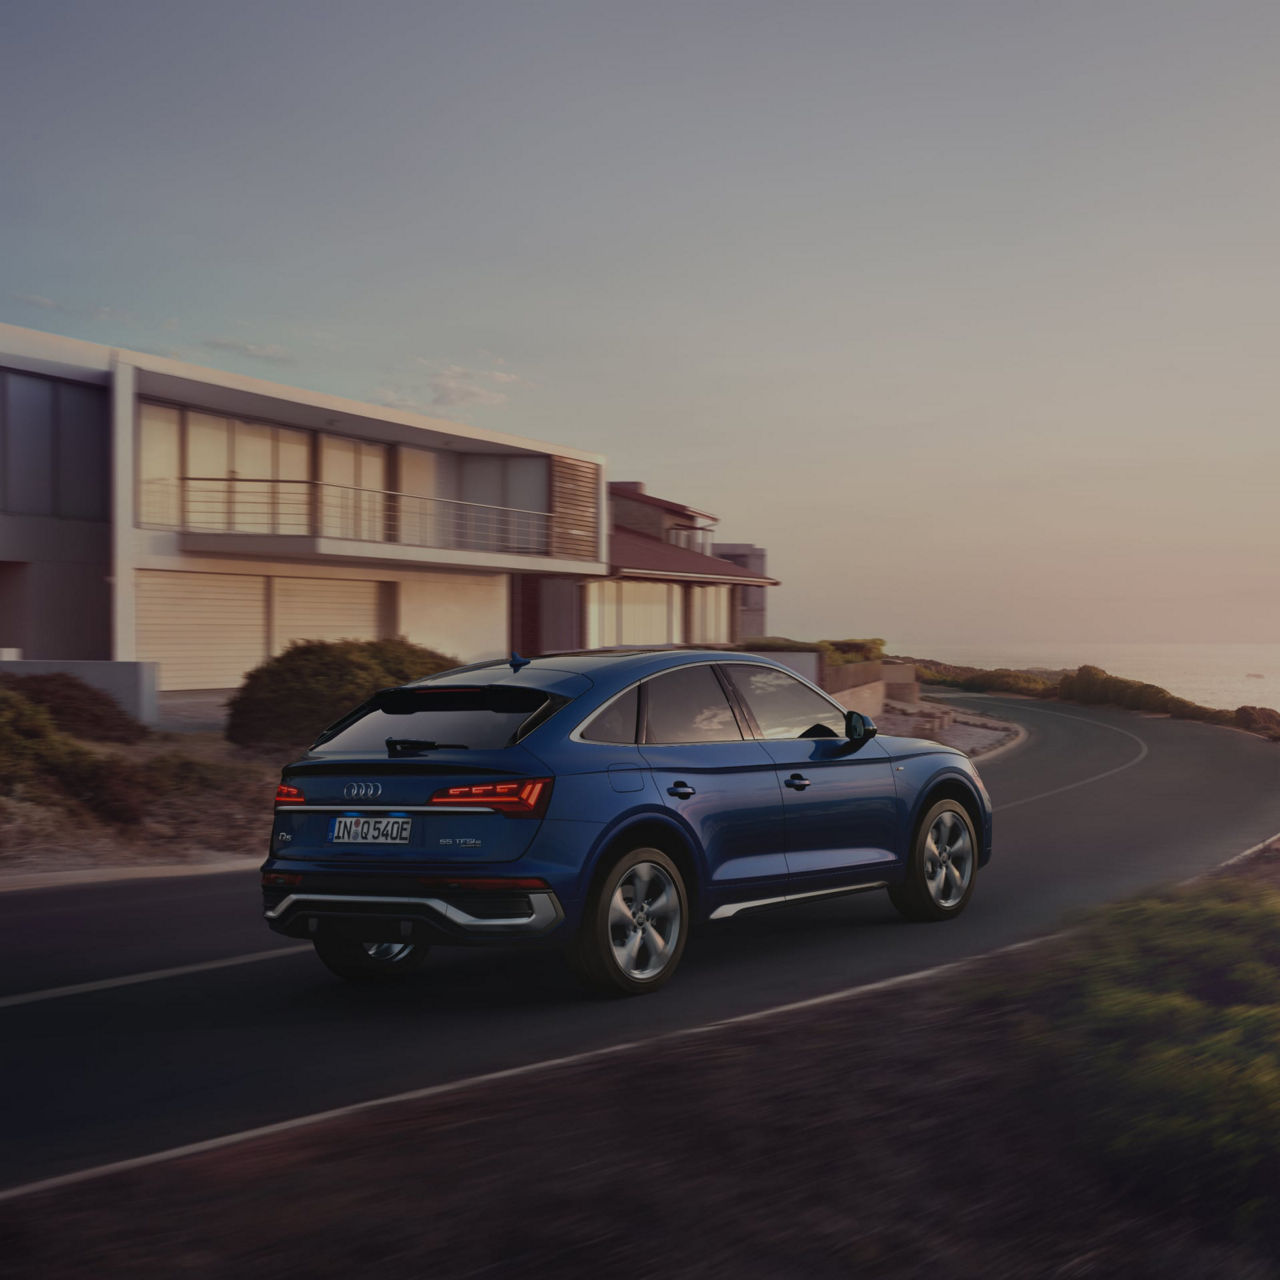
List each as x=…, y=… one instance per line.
x=1097, y=805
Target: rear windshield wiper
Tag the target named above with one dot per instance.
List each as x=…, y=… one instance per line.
x=412, y=746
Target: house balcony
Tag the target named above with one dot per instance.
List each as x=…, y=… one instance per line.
x=315, y=520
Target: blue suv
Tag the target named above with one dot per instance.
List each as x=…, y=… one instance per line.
x=604, y=803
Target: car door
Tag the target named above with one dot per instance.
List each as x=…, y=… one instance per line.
x=721, y=782
x=840, y=805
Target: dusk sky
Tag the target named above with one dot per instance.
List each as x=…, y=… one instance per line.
x=967, y=311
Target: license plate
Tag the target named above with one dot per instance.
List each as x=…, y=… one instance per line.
x=370, y=830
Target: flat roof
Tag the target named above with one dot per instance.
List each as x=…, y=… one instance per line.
x=162, y=378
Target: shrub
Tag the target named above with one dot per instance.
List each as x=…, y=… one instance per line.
x=77, y=708
x=1157, y=1027
x=1003, y=680
x=854, y=650
x=40, y=764
x=290, y=698
x=777, y=644
x=1094, y=687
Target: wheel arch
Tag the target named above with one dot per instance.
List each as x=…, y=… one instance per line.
x=658, y=833
x=950, y=787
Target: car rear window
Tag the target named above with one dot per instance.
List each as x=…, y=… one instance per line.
x=421, y=720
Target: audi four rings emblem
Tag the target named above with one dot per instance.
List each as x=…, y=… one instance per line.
x=362, y=790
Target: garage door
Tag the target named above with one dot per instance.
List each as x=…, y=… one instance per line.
x=322, y=609
x=204, y=629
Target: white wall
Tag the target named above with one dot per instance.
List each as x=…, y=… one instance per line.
x=463, y=614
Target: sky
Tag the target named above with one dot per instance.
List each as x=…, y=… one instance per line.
x=967, y=311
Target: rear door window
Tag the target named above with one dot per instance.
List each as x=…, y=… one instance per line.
x=783, y=706
x=689, y=705
x=485, y=717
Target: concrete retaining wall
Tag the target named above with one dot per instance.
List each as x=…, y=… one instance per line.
x=867, y=698
x=131, y=684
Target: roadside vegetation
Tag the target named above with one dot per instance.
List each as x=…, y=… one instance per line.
x=82, y=779
x=1092, y=686
x=290, y=698
x=1104, y=1104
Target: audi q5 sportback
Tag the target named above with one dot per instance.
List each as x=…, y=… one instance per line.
x=605, y=803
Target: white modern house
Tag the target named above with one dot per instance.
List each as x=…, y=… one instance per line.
x=156, y=511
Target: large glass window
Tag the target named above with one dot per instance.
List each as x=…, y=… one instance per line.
x=783, y=706
x=688, y=705
x=354, y=473
x=201, y=471
x=159, y=465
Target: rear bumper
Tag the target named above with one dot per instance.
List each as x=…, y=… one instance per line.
x=303, y=914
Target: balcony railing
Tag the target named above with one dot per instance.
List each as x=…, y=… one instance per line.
x=199, y=504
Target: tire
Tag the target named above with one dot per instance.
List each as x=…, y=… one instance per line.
x=943, y=867
x=371, y=961
x=635, y=926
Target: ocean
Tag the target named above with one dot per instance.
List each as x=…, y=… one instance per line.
x=1214, y=675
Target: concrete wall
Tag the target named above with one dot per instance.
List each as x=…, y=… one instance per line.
x=867, y=698
x=131, y=684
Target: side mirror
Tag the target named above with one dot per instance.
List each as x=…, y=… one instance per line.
x=858, y=728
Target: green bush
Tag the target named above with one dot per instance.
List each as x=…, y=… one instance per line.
x=1003, y=680
x=870, y=650
x=290, y=698
x=777, y=644
x=1094, y=687
x=1157, y=1027
x=77, y=708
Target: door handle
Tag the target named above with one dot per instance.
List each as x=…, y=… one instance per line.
x=681, y=790
x=797, y=782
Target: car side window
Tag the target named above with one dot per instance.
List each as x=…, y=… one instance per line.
x=783, y=706
x=689, y=705
x=615, y=722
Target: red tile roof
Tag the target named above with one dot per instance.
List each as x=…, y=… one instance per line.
x=637, y=555
x=624, y=489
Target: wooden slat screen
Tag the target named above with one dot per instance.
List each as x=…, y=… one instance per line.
x=575, y=509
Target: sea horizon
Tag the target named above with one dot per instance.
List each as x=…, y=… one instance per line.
x=1223, y=675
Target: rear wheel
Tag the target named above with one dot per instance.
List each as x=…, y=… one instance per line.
x=943, y=865
x=634, y=929
x=371, y=961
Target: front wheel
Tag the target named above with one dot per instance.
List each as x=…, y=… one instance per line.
x=371, y=961
x=634, y=927
x=943, y=865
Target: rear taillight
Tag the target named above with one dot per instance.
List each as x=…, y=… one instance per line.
x=527, y=798
x=289, y=795
x=280, y=880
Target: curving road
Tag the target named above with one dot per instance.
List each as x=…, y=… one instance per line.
x=1096, y=805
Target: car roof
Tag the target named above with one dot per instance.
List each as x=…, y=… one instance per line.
x=597, y=666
